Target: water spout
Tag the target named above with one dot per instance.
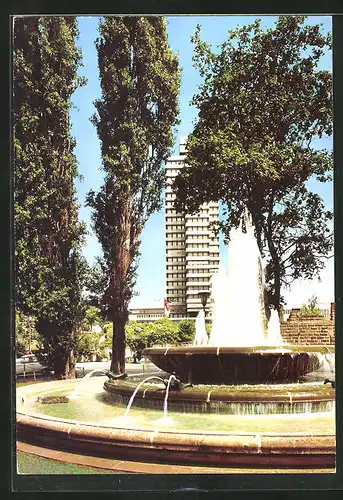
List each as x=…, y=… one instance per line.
x=165, y=404
x=274, y=332
x=201, y=337
x=136, y=390
x=77, y=392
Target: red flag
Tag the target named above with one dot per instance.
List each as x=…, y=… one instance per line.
x=166, y=305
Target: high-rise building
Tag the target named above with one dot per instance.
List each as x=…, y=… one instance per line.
x=192, y=248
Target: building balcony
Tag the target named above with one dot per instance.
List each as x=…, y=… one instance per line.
x=196, y=258
x=204, y=276
x=204, y=284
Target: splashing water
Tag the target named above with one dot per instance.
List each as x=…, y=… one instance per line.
x=77, y=392
x=201, y=337
x=136, y=390
x=164, y=420
x=165, y=404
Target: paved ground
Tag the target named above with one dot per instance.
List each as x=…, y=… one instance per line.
x=87, y=367
x=131, y=368
x=49, y=460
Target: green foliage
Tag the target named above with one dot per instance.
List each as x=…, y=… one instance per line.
x=94, y=335
x=160, y=332
x=136, y=337
x=186, y=330
x=26, y=335
x=261, y=104
x=48, y=263
x=140, y=81
x=310, y=309
x=92, y=318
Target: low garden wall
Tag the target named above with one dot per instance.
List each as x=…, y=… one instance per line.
x=309, y=330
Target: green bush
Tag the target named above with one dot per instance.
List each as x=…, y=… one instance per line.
x=186, y=330
x=310, y=309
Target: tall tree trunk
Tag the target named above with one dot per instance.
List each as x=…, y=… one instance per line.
x=118, y=347
x=119, y=288
x=65, y=367
x=276, y=296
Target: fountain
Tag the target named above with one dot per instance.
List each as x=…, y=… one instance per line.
x=240, y=350
x=243, y=397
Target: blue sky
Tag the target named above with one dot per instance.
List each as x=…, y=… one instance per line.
x=150, y=285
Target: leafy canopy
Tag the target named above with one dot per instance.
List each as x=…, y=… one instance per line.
x=262, y=102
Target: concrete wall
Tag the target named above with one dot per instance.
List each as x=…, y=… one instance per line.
x=309, y=330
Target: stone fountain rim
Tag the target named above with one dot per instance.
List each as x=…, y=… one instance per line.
x=260, y=349
x=31, y=417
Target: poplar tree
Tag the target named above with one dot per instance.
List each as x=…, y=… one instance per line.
x=140, y=81
x=49, y=268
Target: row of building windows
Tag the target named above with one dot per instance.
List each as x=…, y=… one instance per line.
x=176, y=275
x=196, y=287
x=193, y=296
x=176, y=259
x=202, y=262
x=175, y=267
x=174, y=219
x=179, y=291
x=197, y=270
x=175, y=283
x=191, y=236
x=149, y=316
x=197, y=254
x=175, y=243
x=173, y=171
x=178, y=227
x=176, y=236
x=197, y=245
x=195, y=279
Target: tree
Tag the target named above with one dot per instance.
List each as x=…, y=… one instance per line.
x=136, y=338
x=162, y=332
x=261, y=104
x=92, y=319
x=159, y=332
x=49, y=266
x=140, y=81
x=27, y=338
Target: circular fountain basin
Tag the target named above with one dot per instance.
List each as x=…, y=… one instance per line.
x=238, y=365
x=91, y=424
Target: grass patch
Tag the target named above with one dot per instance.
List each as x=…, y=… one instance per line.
x=33, y=464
